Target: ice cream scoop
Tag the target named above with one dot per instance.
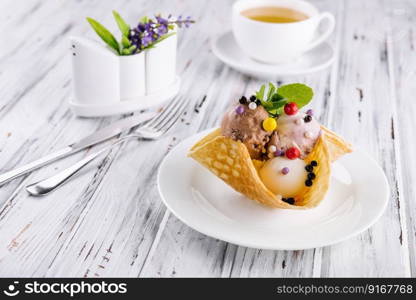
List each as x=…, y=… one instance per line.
x=284, y=176
x=244, y=123
x=299, y=130
x=292, y=165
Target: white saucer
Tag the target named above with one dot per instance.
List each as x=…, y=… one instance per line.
x=207, y=204
x=227, y=50
x=126, y=106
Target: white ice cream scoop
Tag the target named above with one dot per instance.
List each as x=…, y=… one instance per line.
x=284, y=176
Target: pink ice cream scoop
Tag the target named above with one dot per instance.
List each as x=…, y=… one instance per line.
x=299, y=130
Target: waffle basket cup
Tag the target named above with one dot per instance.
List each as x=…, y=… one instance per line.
x=230, y=161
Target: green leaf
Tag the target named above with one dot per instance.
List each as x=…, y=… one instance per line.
x=159, y=40
x=165, y=37
x=260, y=93
x=122, y=25
x=296, y=92
x=125, y=51
x=144, y=19
x=125, y=42
x=104, y=34
x=128, y=51
x=276, y=97
x=276, y=107
x=272, y=88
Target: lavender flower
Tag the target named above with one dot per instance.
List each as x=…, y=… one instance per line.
x=162, y=29
x=161, y=20
x=151, y=31
x=187, y=21
x=147, y=39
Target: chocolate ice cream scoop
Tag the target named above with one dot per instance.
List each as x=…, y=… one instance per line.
x=299, y=130
x=243, y=123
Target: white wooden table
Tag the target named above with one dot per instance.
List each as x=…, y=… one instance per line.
x=110, y=221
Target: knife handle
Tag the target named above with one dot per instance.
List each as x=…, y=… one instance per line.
x=47, y=185
x=12, y=174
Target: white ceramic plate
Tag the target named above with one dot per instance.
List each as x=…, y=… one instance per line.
x=227, y=50
x=207, y=204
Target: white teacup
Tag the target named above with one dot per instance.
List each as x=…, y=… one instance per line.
x=279, y=42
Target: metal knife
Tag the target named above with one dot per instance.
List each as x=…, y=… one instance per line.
x=93, y=139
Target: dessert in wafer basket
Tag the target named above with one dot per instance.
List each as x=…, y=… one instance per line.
x=272, y=152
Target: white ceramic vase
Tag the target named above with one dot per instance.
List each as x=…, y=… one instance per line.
x=161, y=64
x=132, y=76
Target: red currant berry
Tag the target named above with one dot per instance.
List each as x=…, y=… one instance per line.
x=292, y=153
x=291, y=108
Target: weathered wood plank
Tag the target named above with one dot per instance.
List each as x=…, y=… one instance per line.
x=402, y=57
x=109, y=220
x=38, y=122
x=363, y=113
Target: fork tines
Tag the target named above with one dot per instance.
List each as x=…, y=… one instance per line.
x=170, y=114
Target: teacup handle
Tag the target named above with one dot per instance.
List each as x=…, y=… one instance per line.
x=331, y=25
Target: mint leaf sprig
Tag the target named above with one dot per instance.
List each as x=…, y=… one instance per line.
x=124, y=47
x=104, y=34
x=275, y=98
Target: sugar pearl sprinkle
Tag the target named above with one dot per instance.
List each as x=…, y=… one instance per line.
x=311, y=175
x=290, y=200
x=309, y=112
x=272, y=149
x=239, y=110
x=285, y=170
x=252, y=106
x=278, y=152
x=298, y=121
x=308, y=134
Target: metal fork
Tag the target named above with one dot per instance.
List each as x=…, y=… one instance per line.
x=153, y=130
